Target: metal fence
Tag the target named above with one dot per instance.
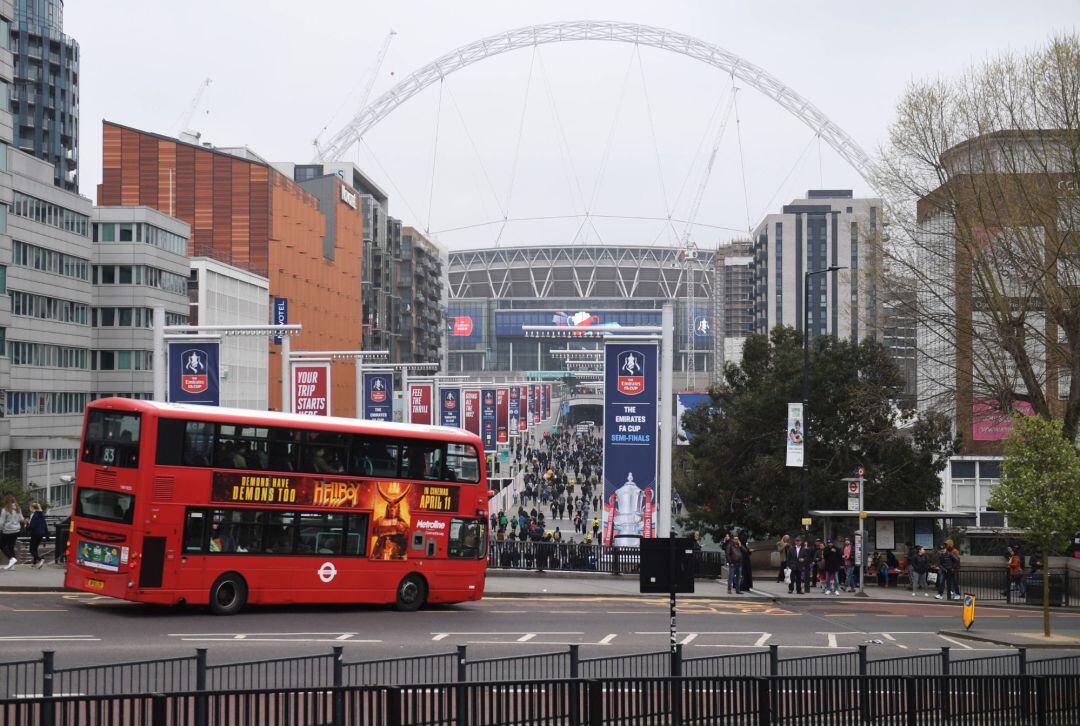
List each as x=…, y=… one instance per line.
x=34, y=678
x=589, y=702
x=581, y=557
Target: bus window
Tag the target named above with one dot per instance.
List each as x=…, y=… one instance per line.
x=280, y=533
x=104, y=505
x=235, y=531
x=373, y=456
x=422, y=460
x=242, y=447
x=356, y=536
x=170, y=441
x=198, y=443
x=320, y=533
x=112, y=438
x=193, y=530
x=284, y=450
x=325, y=452
x=462, y=464
x=466, y=539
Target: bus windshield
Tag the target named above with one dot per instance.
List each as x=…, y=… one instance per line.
x=105, y=505
x=112, y=438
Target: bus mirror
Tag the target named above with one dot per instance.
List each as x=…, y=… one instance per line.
x=491, y=493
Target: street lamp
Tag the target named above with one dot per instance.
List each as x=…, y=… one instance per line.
x=806, y=380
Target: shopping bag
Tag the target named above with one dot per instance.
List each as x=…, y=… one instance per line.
x=931, y=578
x=787, y=575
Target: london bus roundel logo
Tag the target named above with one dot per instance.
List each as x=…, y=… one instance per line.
x=327, y=572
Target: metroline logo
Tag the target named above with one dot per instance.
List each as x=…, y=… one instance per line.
x=430, y=524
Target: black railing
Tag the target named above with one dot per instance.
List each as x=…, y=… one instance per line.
x=41, y=678
x=581, y=557
x=589, y=702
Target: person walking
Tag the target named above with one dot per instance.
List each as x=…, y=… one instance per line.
x=920, y=567
x=796, y=556
x=1016, y=571
x=11, y=523
x=946, y=565
x=38, y=530
x=781, y=547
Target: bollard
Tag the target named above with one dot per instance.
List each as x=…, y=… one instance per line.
x=48, y=708
x=575, y=660
x=201, y=710
x=339, y=693
x=774, y=660
x=460, y=710
x=1022, y=656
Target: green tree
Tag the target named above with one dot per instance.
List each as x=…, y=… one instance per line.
x=1040, y=490
x=736, y=473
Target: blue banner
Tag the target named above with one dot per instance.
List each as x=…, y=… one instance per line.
x=630, y=442
x=487, y=418
x=450, y=407
x=379, y=396
x=281, y=314
x=193, y=372
x=701, y=320
x=513, y=409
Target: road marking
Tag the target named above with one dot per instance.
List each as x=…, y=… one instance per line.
x=514, y=632
x=274, y=640
x=37, y=610
x=832, y=640
x=888, y=636
x=526, y=638
x=239, y=636
x=441, y=636
x=689, y=638
x=760, y=642
x=606, y=640
x=954, y=641
x=345, y=636
x=702, y=632
x=58, y=638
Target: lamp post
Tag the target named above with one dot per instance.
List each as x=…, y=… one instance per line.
x=806, y=381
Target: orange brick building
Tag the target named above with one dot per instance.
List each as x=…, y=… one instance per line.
x=306, y=238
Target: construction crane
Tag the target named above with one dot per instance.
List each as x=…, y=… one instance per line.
x=344, y=138
x=183, y=123
x=688, y=255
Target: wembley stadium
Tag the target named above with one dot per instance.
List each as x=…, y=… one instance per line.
x=494, y=292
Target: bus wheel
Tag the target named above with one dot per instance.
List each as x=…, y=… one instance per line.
x=411, y=593
x=228, y=595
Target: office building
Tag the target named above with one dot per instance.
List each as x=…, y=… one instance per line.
x=304, y=238
x=45, y=95
x=1006, y=193
x=829, y=227
x=222, y=294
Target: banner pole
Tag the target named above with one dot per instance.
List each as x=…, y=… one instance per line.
x=667, y=358
x=286, y=373
x=160, y=359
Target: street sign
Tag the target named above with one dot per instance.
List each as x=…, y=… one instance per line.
x=853, y=488
x=858, y=550
x=807, y=521
x=853, y=504
x=862, y=472
x=969, y=611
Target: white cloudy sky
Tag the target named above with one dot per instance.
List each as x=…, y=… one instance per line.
x=636, y=121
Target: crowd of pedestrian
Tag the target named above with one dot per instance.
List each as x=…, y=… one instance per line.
x=13, y=524
x=561, y=477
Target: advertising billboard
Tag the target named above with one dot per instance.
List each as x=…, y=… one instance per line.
x=311, y=388
x=487, y=418
x=379, y=396
x=513, y=410
x=193, y=372
x=630, y=442
x=470, y=398
x=795, y=435
x=420, y=403
x=450, y=407
x=502, y=415
x=686, y=401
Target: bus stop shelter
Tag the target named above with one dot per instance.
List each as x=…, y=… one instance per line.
x=890, y=530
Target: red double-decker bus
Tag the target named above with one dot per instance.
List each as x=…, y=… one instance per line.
x=224, y=507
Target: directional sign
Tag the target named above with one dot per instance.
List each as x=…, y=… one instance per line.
x=969, y=611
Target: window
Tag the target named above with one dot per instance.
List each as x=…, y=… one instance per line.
x=125, y=275
x=325, y=452
x=462, y=463
x=372, y=456
x=466, y=539
x=3, y=147
x=50, y=214
x=321, y=534
x=106, y=506
x=112, y=438
x=280, y=533
x=422, y=460
x=126, y=234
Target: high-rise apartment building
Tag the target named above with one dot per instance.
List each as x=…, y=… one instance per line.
x=45, y=95
x=829, y=227
x=421, y=284
x=733, y=302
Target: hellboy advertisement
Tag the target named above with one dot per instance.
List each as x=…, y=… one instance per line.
x=391, y=503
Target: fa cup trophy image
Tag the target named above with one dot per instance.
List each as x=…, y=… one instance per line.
x=626, y=514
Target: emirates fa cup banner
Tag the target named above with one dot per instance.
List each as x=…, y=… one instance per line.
x=378, y=396
x=502, y=413
x=523, y=405
x=193, y=372
x=630, y=442
x=450, y=407
x=513, y=410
